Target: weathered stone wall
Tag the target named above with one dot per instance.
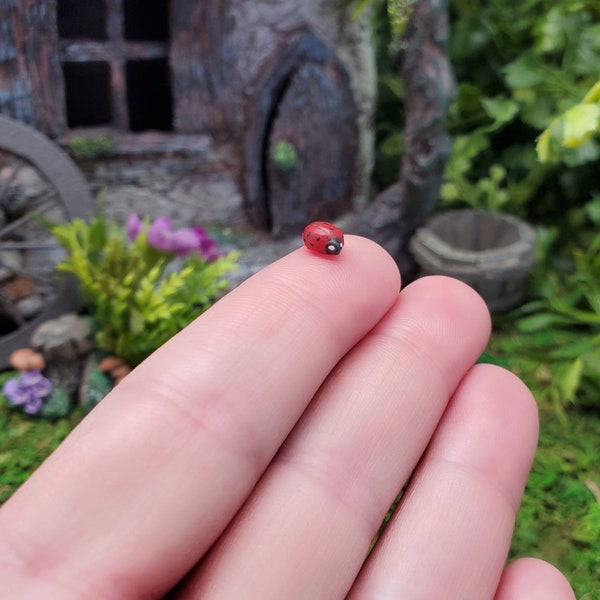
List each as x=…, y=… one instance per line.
x=304, y=70
x=30, y=79
x=224, y=53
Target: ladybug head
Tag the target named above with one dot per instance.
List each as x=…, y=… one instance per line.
x=334, y=246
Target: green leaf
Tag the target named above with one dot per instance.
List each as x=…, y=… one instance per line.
x=593, y=96
x=392, y=85
x=469, y=146
x=586, y=153
x=580, y=123
x=544, y=146
x=449, y=192
x=592, y=209
x=574, y=349
x=541, y=321
x=553, y=31
x=58, y=404
x=502, y=110
x=392, y=145
x=524, y=72
x=568, y=379
x=359, y=7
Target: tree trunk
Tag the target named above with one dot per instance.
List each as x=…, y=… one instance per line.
x=429, y=89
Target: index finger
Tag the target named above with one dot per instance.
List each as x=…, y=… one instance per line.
x=147, y=482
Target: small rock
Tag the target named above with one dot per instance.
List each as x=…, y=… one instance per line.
x=57, y=405
x=30, y=307
x=5, y=273
x=18, y=288
x=94, y=384
x=12, y=259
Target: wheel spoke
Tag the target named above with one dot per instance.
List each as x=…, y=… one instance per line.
x=17, y=223
x=7, y=182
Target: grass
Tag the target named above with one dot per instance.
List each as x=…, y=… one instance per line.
x=559, y=520
x=25, y=443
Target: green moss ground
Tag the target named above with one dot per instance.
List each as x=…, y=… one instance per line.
x=559, y=519
x=560, y=515
x=25, y=443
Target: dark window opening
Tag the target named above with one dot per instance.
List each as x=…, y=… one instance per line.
x=146, y=20
x=149, y=95
x=87, y=91
x=77, y=19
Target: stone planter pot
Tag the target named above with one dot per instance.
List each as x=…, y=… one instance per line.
x=491, y=252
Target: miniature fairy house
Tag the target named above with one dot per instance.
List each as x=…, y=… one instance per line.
x=286, y=86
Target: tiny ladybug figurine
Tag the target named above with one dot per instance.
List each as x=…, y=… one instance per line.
x=323, y=237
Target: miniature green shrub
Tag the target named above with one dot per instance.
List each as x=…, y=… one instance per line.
x=91, y=146
x=136, y=293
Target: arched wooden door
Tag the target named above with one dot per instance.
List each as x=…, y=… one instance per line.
x=302, y=147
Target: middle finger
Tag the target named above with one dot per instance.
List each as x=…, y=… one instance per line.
x=306, y=529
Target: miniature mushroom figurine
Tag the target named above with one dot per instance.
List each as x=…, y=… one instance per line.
x=115, y=367
x=26, y=359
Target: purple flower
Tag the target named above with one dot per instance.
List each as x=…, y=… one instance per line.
x=28, y=391
x=207, y=247
x=134, y=226
x=184, y=241
x=14, y=391
x=181, y=242
x=33, y=405
x=37, y=384
x=160, y=233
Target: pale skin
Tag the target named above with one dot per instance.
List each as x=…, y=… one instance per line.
x=259, y=450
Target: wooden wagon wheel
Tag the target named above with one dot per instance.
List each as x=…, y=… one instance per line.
x=36, y=178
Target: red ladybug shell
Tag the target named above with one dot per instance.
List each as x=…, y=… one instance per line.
x=323, y=237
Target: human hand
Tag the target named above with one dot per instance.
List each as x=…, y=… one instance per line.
x=261, y=447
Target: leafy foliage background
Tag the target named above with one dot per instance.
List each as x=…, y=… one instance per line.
x=525, y=128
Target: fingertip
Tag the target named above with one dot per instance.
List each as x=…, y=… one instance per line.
x=458, y=296
x=450, y=310
x=359, y=250
x=516, y=400
x=491, y=428
x=533, y=579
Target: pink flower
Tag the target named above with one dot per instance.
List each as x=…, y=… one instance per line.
x=207, y=246
x=160, y=233
x=181, y=242
x=134, y=226
x=184, y=241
